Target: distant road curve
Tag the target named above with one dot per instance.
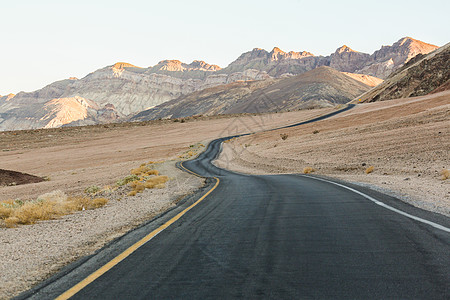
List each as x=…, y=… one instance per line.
x=270, y=236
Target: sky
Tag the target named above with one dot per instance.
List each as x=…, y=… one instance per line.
x=48, y=40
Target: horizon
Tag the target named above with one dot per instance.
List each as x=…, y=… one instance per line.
x=106, y=34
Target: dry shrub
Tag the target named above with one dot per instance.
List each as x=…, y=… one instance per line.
x=284, y=136
x=156, y=182
x=5, y=211
x=132, y=193
x=369, y=170
x=152, y=172
x=47, y=207
x=140, y=170
x=11, y=222
x=308, y=170
x=127, y=180
x=98, y=202
x=137, y=186
x=445, y=174
x=93, y=189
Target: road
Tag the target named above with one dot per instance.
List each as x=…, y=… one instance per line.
x=273, y=236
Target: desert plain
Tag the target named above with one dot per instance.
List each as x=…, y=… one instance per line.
x=406, y=141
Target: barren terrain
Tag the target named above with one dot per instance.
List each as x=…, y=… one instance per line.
x=407, y=142
x=75, y=158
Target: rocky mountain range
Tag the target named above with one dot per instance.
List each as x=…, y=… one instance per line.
x=121, y=90
x=422, y=75
x=379, y=64
x=321, y=87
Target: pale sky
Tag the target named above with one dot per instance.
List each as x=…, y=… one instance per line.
x=48, y=40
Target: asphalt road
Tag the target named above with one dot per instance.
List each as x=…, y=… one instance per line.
x=274, y=236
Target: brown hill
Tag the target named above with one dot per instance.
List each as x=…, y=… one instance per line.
x=422, y=75
x=320, y=87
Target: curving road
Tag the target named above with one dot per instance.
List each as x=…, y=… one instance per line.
x=274, y=236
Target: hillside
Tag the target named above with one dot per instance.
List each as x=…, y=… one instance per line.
x=321, y=87
x=424, y=74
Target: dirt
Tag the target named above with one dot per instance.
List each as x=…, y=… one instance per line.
x=407, y=141
x=8, y=177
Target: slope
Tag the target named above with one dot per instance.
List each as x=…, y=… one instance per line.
x=420, y=76
x=320, y=87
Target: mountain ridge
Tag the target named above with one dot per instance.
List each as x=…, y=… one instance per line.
x=131, y=89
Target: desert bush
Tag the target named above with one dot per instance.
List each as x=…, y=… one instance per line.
x=369, y=170
x=284, y=136
x=5, y=210
x=445, y=174
x=98, y=202
x=152, y=172
x=46, y=207
x=140, y=170
x=137, y=186
x=308, y=170
x=93, y=189
x=156, y=182
x=316, y=131
x=127, y=179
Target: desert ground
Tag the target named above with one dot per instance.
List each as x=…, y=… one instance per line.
x=72, y=159
x=407, y=142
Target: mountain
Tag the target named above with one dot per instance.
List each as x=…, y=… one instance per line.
x=124, y=87
x=320, y=87
x=422, y=75
x=122, y=90
x=379, y=64
x=59, y=112
x=276, y=62
x=347, y=60
x=389, y=58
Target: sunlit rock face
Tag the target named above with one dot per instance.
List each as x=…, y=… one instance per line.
x=59, y=112
x=380, y=64
x=420, y=76
x=347, y=60
x=389, y=58
x=275, y=63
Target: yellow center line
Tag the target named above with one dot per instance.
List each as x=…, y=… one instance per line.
x=108, y=266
